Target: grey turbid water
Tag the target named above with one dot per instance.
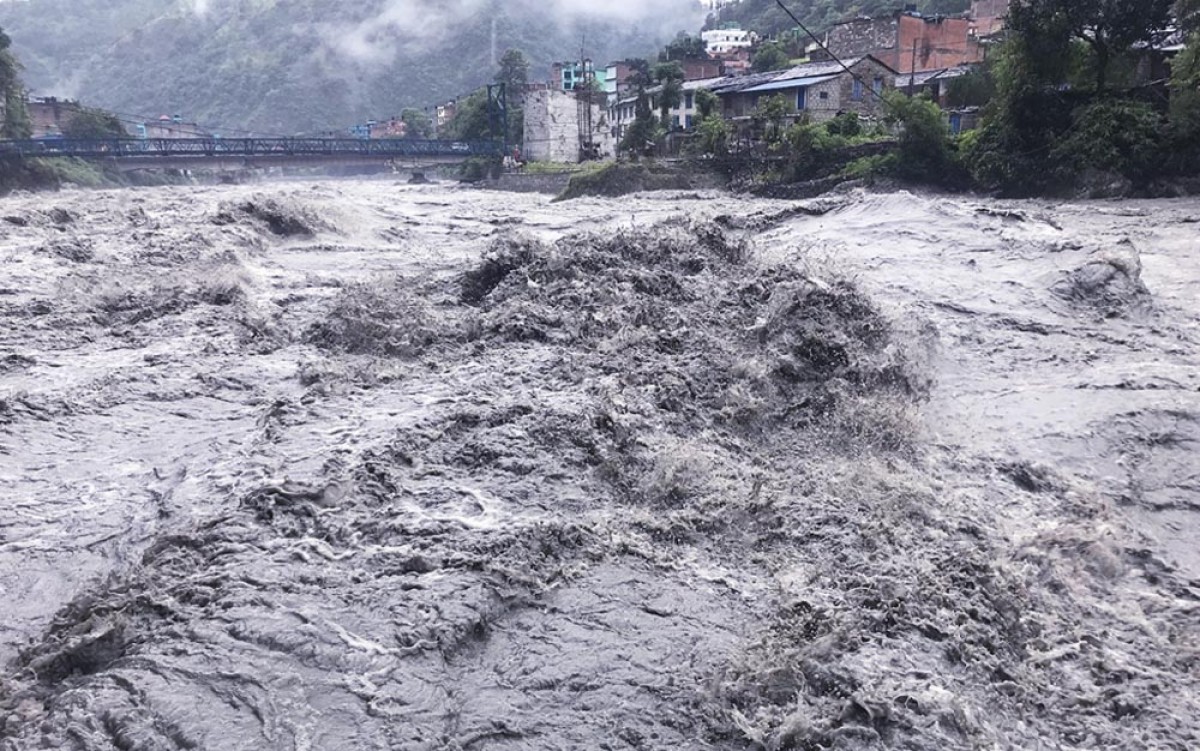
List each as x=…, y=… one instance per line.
x=357, y=465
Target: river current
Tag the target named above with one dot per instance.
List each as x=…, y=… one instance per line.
x=358, y=464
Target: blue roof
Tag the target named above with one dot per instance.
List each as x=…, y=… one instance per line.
x=789, y=83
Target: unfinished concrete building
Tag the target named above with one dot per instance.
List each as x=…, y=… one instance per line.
x=567, y=126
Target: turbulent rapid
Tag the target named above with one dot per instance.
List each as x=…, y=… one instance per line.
x=361, y=465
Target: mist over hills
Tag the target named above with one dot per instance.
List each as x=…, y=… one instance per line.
x=290, y=66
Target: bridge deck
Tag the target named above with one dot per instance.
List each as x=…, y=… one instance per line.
x=201, y=149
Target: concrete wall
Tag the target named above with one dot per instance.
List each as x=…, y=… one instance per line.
x=866, y=36
x=552, y=127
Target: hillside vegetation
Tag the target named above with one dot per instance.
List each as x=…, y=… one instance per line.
x=766, y=18
x=303, y=65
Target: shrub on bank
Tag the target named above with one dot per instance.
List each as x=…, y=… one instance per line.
x=1113, y=135
x=925, y=152
x=41, y=174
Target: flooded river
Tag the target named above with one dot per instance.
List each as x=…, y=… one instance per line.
x=360, y=465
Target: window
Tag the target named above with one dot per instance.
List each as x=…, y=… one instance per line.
x=688, y=122
x=856, y=93
x=801, y=99
x=689, y=101
x=877, y=85
x=823, y=95
x=674, y=122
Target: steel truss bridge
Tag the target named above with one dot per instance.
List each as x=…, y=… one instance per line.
x=187, y=153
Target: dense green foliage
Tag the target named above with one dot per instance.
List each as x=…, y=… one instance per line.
x=278, y=67
x=470, y=121
x=1109, y=29
x=514, y=74
x=93, y=123
x=643, y=131
x=707, y=104
x=1185, y=96
x=714, y=135
x=16, y=120
x=669, y=76
x=765, y=17
x=1062, y=111
x=770, y=56
x=924, y=139
x=770, y=118
x=417, y=123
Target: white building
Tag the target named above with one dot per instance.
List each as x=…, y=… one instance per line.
x=724, y=41
x=681, y=117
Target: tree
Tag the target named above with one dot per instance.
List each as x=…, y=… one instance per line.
x=641, y=76
x=975, y=89
x=16, y=118
x=1185, y=93
x=669, y=76
x=770, y=56
x=714, y=135
x=707, y=104
x=470, y=121
x=1187, y=13
x=924, y=138
x=514, y=74
x=684, y=47
x=770, y=115
x=514, y=71
x=643, y=131
x=417, y=124
x=1109, y=28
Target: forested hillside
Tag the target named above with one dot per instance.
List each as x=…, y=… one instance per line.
x=765, y=16
x=276, y=66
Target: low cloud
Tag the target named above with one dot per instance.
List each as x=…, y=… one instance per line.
x=415, y=25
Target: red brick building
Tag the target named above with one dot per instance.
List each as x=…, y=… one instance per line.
x=699, y=70
x=908, y=41
x=734, y=62
x=48, y=115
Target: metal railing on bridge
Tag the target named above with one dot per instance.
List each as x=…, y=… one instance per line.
x=201, y=148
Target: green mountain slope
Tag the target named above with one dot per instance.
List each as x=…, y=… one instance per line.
x=289, y=66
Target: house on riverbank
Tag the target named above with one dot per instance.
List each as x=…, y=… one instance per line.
x=820, y=90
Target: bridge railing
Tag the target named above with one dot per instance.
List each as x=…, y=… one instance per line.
x=200, y=148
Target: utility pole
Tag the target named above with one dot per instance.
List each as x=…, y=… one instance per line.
x=584, y=96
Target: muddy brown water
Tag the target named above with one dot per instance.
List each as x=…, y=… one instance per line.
x=596, y=510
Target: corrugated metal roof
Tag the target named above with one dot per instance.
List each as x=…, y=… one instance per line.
x=703, y=83
x=789, y=83
x=823, y=68
x=924, y=77
x=741, y=83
